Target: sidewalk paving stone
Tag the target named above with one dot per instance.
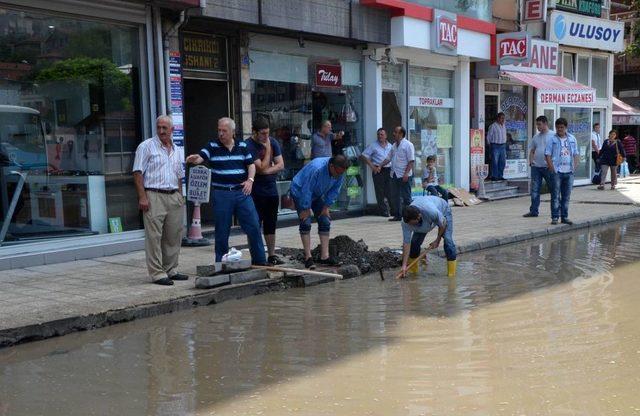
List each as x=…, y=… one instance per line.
x=42, y=301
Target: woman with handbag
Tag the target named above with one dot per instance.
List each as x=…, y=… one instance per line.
x=611, y=156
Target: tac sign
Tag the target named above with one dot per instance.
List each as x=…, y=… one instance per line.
x=199, y=184
x=444, y=35
x=513, y=47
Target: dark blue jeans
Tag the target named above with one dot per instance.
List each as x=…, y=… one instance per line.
x=561, y=194
x=324, y=222
x=436, y=190
x=498, y=160
x=400, y=195
x=449, y=246
x=537, y=175
x=226, y=204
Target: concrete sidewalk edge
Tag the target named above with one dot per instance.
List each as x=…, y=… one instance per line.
x=43, y=330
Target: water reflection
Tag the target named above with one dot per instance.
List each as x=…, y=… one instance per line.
x=547, y=328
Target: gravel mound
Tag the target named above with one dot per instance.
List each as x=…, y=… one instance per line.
x=348, y=251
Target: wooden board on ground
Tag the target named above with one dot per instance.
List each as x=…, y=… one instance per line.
x=464, y=195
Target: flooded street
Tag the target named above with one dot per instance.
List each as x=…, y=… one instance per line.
x=545, y=328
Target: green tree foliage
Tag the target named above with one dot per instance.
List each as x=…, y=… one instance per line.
x=633, y=49
x=100, y=72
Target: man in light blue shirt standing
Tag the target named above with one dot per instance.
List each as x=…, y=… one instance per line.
x=322, y=141
x=374, y=156
x=538, y=164
x=562, y=158
x=314, y=189
x=421, y=216
x=497, y=140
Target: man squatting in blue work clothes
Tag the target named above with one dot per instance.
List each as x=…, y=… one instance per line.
x=232, y=176
x=314, y=189
x=421, y=216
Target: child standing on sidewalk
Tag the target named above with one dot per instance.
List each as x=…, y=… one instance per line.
x=430, y=180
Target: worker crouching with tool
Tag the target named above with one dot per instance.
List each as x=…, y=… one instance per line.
x=421, y=216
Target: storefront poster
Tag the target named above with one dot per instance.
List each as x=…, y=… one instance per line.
x=445, y=135
x=476, y=152
x=516, y=168
x=175, y=83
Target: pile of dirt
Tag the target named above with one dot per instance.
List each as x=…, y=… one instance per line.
x=348, y=251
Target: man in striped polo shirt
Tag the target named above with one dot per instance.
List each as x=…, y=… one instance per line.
x=232, y=177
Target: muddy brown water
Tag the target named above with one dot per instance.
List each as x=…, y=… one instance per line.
x=545, y=328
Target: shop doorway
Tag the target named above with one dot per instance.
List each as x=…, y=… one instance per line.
x=205, y=101
x=579, y=120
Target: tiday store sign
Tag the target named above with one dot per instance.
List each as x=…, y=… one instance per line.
x=586, y=32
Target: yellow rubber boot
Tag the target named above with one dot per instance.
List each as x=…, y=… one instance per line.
x=451, y=268
x=414, y=268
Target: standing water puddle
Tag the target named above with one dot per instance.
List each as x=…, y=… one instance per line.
x=546, y=328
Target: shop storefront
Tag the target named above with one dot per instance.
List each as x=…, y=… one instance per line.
x=74, y=104
x=425, y=86
x=296, y=89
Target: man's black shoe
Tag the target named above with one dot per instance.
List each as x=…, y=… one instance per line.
x=274, y=261
x=566, y=221
x=330, y=261
x=395, y=219
x=179, y=276
x=308, y=263
x=554, y=221
x=165, y=281
x=530, y=215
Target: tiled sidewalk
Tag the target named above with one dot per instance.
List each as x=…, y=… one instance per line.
x=47, y=300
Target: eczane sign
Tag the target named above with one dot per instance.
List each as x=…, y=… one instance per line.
x=544, y=59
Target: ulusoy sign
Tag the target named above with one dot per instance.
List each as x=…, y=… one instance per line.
x=444, y=33
x=586, y=7
x=199, y=184
x=513, y=47
x=587, y=32
x=328, y=75
x=544, y=59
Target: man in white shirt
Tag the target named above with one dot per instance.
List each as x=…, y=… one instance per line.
x=376, y=153
x=596, y=145
x=402, y=158
x=497, y=141
x=538, y=164
x=157, y=174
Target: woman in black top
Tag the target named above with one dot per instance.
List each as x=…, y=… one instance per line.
x=611, y=148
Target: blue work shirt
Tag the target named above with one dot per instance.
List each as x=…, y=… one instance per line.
x=321, y=146
x=433, y=210
x=314, y=181
x=228, y=167
x=554, y=147
x=265, y=185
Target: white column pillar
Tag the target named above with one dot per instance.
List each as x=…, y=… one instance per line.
x=462, y=87
x=372, y=110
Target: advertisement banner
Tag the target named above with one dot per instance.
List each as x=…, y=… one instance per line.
x=587, y=32
x=476, y=151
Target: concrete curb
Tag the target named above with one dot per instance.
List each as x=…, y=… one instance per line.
x=43, y=330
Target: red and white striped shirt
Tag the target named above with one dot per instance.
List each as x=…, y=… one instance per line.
x=161, y=168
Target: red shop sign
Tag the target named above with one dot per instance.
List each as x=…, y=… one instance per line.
x=448, y=33
x=328, y=75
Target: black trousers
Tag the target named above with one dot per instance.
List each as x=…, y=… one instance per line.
x=400, y=195
x=382, y=186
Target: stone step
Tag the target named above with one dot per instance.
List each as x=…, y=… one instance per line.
x=488, y=185
x=501, y=197
x=507, y=191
